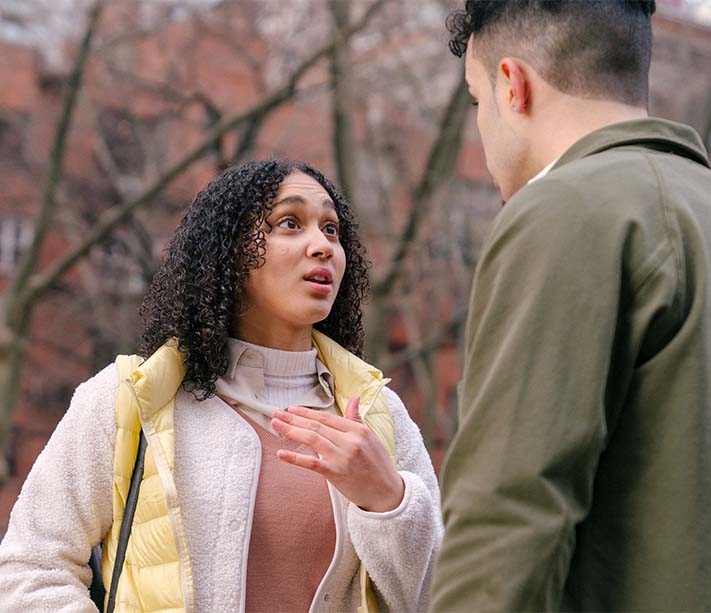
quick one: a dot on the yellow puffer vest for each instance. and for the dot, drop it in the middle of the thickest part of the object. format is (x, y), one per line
(157, 575)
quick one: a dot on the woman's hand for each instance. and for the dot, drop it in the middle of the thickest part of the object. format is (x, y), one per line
(350, 456)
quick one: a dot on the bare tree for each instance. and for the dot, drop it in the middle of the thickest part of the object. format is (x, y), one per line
(16, 314)
(29, 286)
(440, 164)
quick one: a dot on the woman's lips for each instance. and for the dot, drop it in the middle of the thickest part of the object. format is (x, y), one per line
(320, 279)
(320, 288)
(320, 275)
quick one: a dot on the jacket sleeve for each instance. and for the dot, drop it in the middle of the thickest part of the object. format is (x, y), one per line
(64, 508)
(519, 474)
(399, 547)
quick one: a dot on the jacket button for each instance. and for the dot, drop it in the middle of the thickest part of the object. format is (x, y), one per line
(236, 524)
(325, 597)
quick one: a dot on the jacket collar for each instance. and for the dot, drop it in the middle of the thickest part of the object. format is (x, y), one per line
(157, 380)
(351, 375)
(649, 133)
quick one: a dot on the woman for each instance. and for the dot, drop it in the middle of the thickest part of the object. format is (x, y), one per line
(269, 484)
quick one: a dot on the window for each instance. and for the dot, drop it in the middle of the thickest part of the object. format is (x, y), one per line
(11, 135)
(117, 268)
(15, 236)
(121, 131)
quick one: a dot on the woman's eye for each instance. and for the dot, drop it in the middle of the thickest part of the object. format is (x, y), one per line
(288, 224)
(331, 229)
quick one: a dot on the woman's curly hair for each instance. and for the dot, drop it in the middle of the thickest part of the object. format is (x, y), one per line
(197, 291)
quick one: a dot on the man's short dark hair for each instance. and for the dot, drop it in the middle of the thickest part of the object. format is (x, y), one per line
(588, 48)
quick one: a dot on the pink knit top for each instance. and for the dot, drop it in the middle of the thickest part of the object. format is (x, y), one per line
(293, 532)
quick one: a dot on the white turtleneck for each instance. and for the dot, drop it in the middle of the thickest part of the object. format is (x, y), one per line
(260, 380)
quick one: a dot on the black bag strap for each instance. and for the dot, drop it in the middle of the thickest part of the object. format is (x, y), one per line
(127, 521)
(97, 591)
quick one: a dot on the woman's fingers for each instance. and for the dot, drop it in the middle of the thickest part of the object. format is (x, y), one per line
(336, 422)
(308, 436)
(304, 461)
(350, 456)
(338, 437)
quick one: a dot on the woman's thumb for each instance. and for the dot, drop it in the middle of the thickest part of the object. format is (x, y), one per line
(352, 411)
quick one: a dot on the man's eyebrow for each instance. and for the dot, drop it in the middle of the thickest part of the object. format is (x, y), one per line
(326, 202)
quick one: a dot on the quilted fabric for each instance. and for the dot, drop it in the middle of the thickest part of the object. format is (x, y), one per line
(156, 574)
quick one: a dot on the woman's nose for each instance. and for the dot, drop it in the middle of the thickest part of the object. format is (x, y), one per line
(319, 245)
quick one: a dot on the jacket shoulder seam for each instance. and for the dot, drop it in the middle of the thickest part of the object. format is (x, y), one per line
(671, 250)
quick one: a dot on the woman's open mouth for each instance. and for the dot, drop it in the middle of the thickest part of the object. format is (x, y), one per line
(320, 280)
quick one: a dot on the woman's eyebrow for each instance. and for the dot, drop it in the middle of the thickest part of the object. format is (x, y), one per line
(326, 202)
(290, 200)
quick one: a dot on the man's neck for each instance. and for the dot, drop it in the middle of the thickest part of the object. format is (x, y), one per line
(570, 119)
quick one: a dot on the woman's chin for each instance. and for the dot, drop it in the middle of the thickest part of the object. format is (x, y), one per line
(317, 308)
(318, 315)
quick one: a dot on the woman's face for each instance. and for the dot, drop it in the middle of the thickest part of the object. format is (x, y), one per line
(303, 266)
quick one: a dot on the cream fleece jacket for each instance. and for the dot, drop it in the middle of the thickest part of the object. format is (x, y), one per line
(65, 508)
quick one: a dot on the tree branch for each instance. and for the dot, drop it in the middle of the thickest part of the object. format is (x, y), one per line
(432, 343)
(111, 218)
(440, 164)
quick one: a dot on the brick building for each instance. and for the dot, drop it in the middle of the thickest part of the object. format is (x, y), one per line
(131, 124)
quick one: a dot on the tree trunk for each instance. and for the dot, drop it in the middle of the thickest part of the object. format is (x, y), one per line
(341, 78)
(16, 314)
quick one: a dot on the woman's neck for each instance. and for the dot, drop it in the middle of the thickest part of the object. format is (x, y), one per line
(275, 335)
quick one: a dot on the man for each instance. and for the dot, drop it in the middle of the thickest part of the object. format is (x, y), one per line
(580, 477)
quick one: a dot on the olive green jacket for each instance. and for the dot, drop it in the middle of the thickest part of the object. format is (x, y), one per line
(580, 476)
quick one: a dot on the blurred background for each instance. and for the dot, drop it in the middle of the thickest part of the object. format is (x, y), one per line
(113, 115)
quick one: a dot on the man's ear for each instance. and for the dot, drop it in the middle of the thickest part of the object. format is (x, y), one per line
(517, 87)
